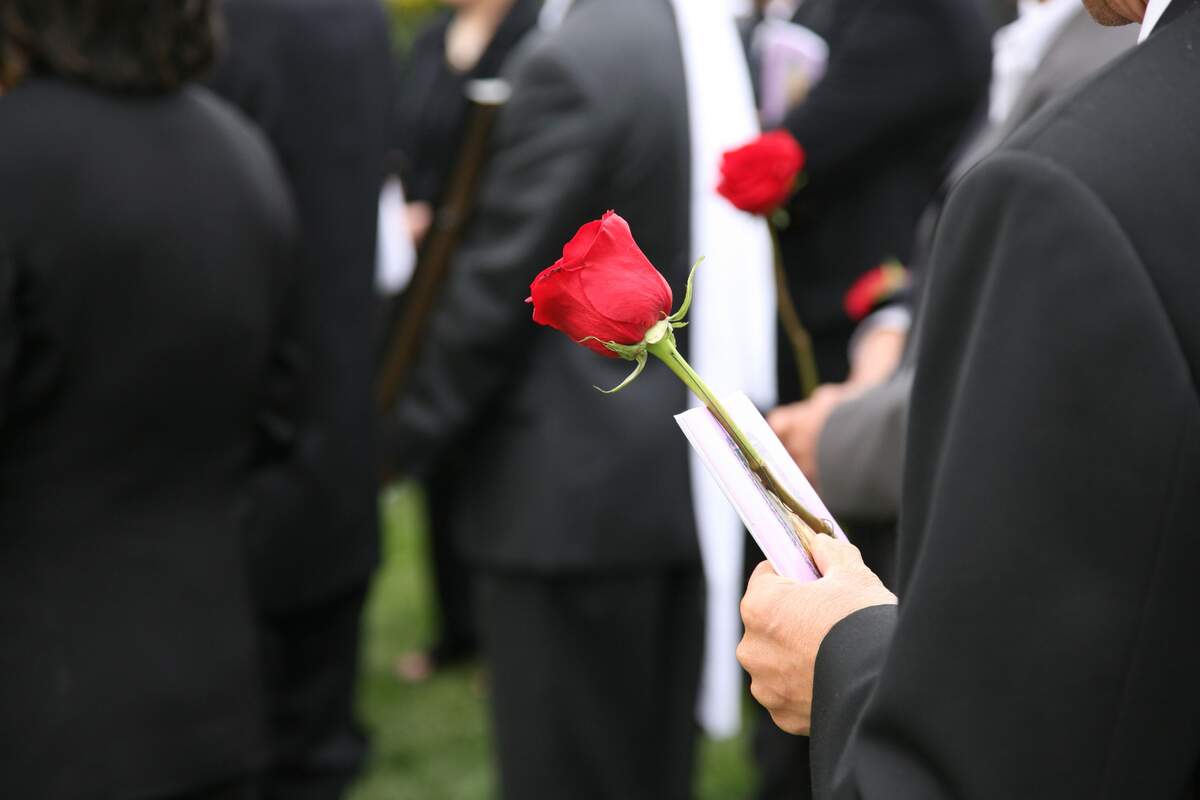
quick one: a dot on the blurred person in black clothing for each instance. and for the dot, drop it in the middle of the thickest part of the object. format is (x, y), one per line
(905, 84)
(145, 247)
(317, 77)
(590, 595)
(470, 42)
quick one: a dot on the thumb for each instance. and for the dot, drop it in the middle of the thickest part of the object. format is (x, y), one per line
(831, 554)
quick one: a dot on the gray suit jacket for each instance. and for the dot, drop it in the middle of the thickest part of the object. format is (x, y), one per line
(861, 451)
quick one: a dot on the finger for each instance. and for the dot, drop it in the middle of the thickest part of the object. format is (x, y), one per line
(765, 696)
(831, 554)
(763, 569)
(749, 652)
(755, 601)
(790, 723)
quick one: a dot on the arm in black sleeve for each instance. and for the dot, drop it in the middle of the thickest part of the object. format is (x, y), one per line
(542, 170)
(1042, 645)
(8, 327)
(898, 65)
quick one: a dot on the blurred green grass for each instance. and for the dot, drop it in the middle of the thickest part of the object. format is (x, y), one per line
(430, 740)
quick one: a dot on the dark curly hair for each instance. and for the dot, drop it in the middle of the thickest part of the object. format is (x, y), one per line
(120, 45)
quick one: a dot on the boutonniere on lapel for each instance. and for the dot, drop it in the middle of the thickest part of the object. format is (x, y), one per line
(876, 288)
(607, 296)
(760, 178)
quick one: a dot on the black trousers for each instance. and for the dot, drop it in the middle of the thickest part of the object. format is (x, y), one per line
(453, 582)
(311, 660)
(594, 682)
(242, 789)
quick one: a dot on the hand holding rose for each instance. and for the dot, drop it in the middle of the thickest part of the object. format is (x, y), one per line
(786, 622)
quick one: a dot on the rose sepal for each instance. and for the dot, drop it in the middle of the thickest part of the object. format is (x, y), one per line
(633, 352)
(677, 319)
(641, 359)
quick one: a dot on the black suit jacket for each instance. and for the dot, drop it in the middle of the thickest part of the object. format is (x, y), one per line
(144, 258)
(556, 475)
(904, 82)
(1046, 642)
(317, 78)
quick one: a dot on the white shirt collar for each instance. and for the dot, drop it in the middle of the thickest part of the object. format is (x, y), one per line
(553, 13)
(1154, 12)
(1018, 50)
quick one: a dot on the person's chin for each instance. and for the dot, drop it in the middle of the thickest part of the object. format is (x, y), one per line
(1115, 12)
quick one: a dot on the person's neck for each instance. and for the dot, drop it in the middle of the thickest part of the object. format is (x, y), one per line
(472, 29)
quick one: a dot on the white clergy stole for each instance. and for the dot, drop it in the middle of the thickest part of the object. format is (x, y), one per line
(731, 339)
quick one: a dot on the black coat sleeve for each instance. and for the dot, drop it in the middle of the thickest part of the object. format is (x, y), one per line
(9, 336)
(541, 172)
(1042, 646)
(895, 70)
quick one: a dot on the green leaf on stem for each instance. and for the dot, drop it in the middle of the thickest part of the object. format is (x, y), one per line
(641, 365)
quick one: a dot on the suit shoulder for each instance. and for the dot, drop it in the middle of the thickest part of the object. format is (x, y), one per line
(246, 145)
(617, 51)
(616, 32)
(225, 123)
(1117, 129)
(37, 115)
(311, 31)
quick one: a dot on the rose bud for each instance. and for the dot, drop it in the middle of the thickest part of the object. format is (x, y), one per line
(760, 176)
(603, 289)
(874, 289)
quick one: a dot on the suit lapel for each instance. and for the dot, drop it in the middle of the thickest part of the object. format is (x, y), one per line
(1174, 11)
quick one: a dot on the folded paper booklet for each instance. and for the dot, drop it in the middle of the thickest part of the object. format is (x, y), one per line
(793, 60)
(764, 516)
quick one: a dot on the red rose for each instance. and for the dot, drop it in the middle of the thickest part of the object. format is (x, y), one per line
(760, 176)
(874, 289)
(603, 287)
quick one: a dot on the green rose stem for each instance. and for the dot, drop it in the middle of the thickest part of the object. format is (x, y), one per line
(660, 342)
(797, 334)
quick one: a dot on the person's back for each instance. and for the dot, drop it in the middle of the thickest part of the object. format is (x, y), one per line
(143, 246)
(316, 77)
